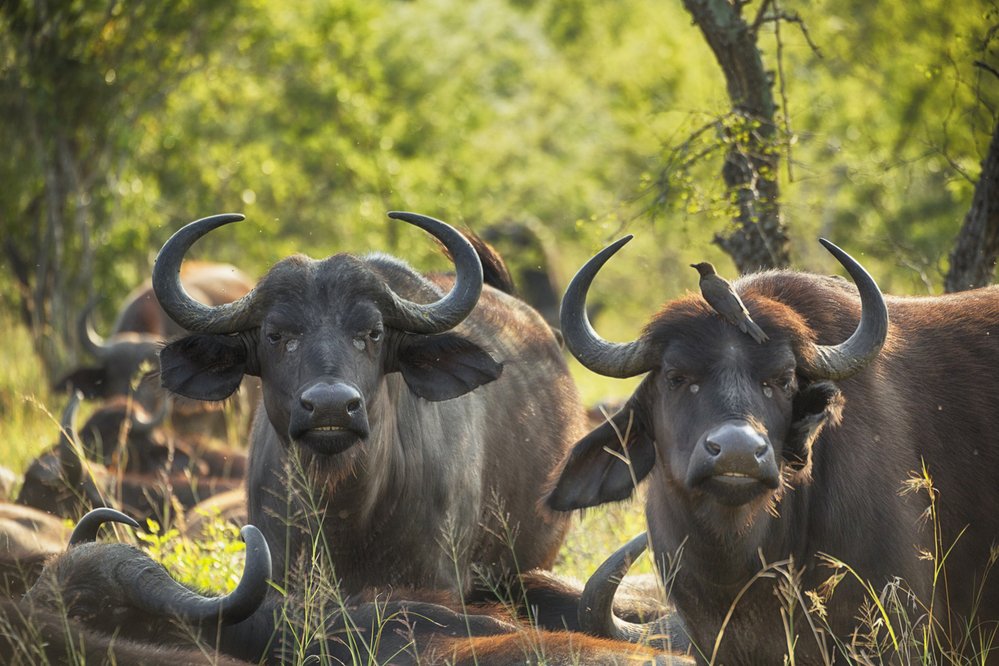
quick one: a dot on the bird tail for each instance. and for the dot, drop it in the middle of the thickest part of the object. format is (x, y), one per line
(756, 332)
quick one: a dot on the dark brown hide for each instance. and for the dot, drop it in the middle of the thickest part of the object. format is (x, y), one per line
(140, 329)
(423, 453)
(30, 636)
(845, 452)
(27, 538)
(150, 483)
(402, 627)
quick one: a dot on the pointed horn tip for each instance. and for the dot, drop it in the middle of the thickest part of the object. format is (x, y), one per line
(250, 533)
(87, 527)
(216, 221)
(604, 255)
(109, 515)
(414, 218)
(254, 538)
(72, 407)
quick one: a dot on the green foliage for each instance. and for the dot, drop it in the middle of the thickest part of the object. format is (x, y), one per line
(584, 119)
(580, 118)
(213, 561)
(29, 415)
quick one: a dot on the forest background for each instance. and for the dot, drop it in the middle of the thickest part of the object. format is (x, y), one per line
(578, 120)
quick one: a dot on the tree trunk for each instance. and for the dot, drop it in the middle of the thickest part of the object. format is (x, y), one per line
(750, 171)
(973, 259)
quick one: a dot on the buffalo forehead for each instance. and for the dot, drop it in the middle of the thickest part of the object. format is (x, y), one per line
(298, 288)
(722, 346)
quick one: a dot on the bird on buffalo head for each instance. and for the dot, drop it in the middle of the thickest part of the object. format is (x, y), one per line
(722, 298)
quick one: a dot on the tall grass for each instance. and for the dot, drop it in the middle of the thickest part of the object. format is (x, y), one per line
(894, 625)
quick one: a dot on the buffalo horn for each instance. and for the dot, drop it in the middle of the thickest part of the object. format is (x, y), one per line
(611, 359)
(596, 605)
(70, 464)
(151, 589)
(140, 426)
(176, 302)
(849, 357)
(86, 529)
(450, 310)
(91, 342)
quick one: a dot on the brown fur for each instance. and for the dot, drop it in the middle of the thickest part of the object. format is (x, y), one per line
(929, 397)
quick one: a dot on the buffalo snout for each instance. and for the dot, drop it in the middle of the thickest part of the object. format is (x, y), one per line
(735, 462)
(329, 417)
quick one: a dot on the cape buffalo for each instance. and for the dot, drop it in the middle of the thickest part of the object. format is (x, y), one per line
(424, 417)
(27, 538)
(115, 589)
(129, 356)
(763, 459)
(65, 482)
(82, 621)
(121, 433)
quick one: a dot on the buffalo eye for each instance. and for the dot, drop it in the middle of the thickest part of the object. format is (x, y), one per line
(274, 337)
(373, 336)
(675, 380)
(782, 383)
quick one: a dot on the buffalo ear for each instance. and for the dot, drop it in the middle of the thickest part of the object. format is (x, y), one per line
(444, 366)
(815, 406)
(204, 367)
(596, 472)
(90, 381)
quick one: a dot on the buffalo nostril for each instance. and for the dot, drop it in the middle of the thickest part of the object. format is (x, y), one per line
(307, 405)
(353, 405)
(761, 450)
(713, 447)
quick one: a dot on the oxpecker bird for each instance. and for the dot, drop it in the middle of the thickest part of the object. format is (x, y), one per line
(719, 294)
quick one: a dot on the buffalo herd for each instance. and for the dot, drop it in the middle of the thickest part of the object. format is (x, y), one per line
(815, 459)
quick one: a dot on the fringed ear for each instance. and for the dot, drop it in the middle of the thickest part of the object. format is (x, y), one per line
(443, 366)
(817, 405)
(607, 464)
(205, 367)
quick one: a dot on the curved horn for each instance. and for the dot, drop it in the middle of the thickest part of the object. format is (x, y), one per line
(849, 357)
(596, 605)
(151, 589)
(141, 426)
(449, 311)
(91, 342)
(86, 529)
(69, 458)
(177, 303)
(611, 359)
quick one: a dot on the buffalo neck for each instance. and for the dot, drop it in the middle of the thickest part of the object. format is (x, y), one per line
(722, 546)
(379, 503)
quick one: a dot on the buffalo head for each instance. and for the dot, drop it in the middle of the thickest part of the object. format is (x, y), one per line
(123, 361)
(116, 587)
(725, 420)
(60, 481)
(322, 334)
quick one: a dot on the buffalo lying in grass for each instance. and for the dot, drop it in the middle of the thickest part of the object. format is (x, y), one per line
(127, 360)
(114, 589)
(64, 482)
